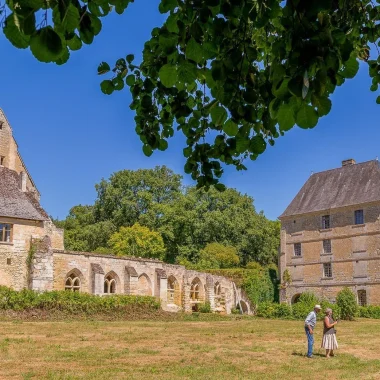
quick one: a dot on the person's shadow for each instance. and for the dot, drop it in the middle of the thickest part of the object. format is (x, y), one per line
(304, 355)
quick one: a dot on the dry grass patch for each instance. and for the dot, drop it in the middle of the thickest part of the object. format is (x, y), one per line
(229, 349)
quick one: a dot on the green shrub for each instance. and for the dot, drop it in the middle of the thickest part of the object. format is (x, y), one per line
(298, 311)
(257, 283)
(71, 302)
(204, 307)
(346, 301)
(369, 312)
(235, 310)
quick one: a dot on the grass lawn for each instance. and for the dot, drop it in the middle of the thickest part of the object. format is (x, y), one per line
(206, 349)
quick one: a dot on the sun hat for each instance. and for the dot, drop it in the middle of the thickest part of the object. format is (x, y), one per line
(317, 307)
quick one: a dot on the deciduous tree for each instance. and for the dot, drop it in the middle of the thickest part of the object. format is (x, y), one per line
(231, 75)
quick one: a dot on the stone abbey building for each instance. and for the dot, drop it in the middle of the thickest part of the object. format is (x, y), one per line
(32, 253)
(330, 235)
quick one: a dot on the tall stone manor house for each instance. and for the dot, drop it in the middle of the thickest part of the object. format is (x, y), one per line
(330, 235)
(32, 253)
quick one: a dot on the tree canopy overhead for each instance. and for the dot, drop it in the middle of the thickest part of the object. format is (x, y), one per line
(231, 75)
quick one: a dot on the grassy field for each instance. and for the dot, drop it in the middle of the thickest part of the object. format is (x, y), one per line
(206, 349)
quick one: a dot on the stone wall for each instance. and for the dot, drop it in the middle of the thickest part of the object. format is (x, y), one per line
(176, 287)
(354, 256)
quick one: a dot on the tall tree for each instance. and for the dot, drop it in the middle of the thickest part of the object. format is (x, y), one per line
(188, 219)
(231, 75)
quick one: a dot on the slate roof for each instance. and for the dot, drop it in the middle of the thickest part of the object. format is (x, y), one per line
(345, 186)
(15, 203)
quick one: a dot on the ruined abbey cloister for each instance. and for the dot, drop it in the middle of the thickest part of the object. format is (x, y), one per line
(32, 253)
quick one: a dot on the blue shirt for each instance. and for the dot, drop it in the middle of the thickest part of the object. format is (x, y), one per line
(311, 319)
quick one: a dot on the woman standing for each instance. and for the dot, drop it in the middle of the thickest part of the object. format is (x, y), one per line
(329, 341)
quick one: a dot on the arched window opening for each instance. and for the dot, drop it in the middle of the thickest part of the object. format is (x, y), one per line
(296, 298)
(196, 291)
(72, 283)
(109, 285)
(217, 290)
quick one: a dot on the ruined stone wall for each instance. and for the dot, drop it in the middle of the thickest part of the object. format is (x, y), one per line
(354, 256)
(172, 284)
(9, 150)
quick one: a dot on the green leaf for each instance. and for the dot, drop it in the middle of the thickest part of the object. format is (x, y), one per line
(378, 100)
(323, 104)
(15, 36)
(167, 5)
(64, 57)
(130, 80)
(74, 43)
(257, 145)
(163, 145)
(285, 117)
(230, 128)
(168, 75)
(218, 115)
(187, 72)
(46, 45)
(194, 51)
(66, 19)
(147, 149)
(107, 87)
(307, 116)
(103, 68)
(351, 68)
(171, 23)
(118, 83)
(130, 58)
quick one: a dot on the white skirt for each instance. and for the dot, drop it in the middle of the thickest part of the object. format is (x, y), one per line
(329, 342)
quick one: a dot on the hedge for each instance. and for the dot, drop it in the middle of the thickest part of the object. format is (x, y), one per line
(298, 311)
(72, 302)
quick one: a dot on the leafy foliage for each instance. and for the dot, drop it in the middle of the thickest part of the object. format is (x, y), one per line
(370, 311)
(231, 75)
(71, 302)
(346, 301)
(257, 283)
(214, 256)
(138, 241)
(187, 219)
(298, 310)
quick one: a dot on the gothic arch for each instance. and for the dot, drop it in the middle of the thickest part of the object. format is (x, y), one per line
(144, 286)
(111, 283)
(174, 292)
(74, 281)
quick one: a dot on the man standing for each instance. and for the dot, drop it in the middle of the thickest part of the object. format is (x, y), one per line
(310, 322)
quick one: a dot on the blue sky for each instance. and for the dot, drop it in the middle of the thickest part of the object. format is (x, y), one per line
(71, 135)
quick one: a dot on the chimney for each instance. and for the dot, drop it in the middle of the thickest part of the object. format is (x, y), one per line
(348, 162)
(23, 181)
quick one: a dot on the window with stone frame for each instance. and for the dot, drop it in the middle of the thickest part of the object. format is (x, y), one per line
(297, 249)
(2, 159)
(362, 297)
(1, 124)
(72, 283)
(359, 217)
(327, 270)
(327, 246)
(6, 230)
(109, 285)
(326, 223)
